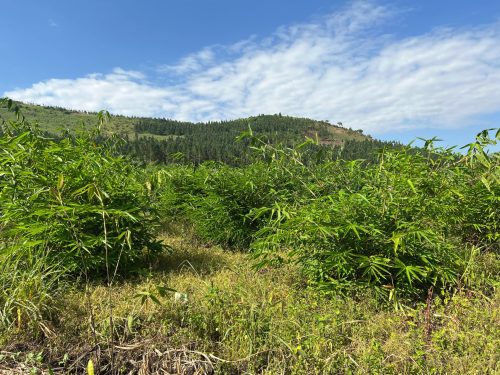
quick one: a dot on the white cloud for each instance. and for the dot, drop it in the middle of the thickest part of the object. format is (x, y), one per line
(121, 91)
(337, 67)
(191, 63)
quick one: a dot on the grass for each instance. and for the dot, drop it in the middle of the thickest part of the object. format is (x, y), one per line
(55, 120)
(227, 318)
(159, 137)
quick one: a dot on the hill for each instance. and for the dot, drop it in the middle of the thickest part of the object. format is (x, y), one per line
(56, 119)
(165, 140)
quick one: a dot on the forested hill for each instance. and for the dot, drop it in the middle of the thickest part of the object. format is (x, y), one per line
(165, 140)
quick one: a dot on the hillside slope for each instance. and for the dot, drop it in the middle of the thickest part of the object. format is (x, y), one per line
(165, 140)
(55, 119)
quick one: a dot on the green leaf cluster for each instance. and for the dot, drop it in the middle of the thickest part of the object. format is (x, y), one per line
(74, 200)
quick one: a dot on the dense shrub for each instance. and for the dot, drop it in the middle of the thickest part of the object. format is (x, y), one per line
(218, 199)
(229, 195)
(73, 200)
(414, 219)
(407, 223)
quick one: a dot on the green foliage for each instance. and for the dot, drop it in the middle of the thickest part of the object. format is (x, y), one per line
(219, 199)
(229, 194)
(56, 120)
(408, 221)
(73, 200)
(401, 225)
(169, 141)
(396, 225)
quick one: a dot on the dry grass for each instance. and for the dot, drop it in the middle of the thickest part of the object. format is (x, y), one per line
(234, 320)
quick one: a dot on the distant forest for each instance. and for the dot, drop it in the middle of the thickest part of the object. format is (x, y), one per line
(167, 141)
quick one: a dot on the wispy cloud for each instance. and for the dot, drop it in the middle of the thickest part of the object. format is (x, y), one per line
(191, 63)
(337, 67)
(121, 91)
(52, 23)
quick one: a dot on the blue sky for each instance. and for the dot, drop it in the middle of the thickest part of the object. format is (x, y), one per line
(396, 69)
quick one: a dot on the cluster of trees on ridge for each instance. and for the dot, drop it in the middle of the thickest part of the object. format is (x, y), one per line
(167, 141)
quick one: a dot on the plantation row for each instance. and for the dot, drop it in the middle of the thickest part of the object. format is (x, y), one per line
(411, 223)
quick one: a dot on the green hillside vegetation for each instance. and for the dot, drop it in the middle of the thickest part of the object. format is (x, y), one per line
(296, 261)
(196, 143)
(56, 119)
(170, 141)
